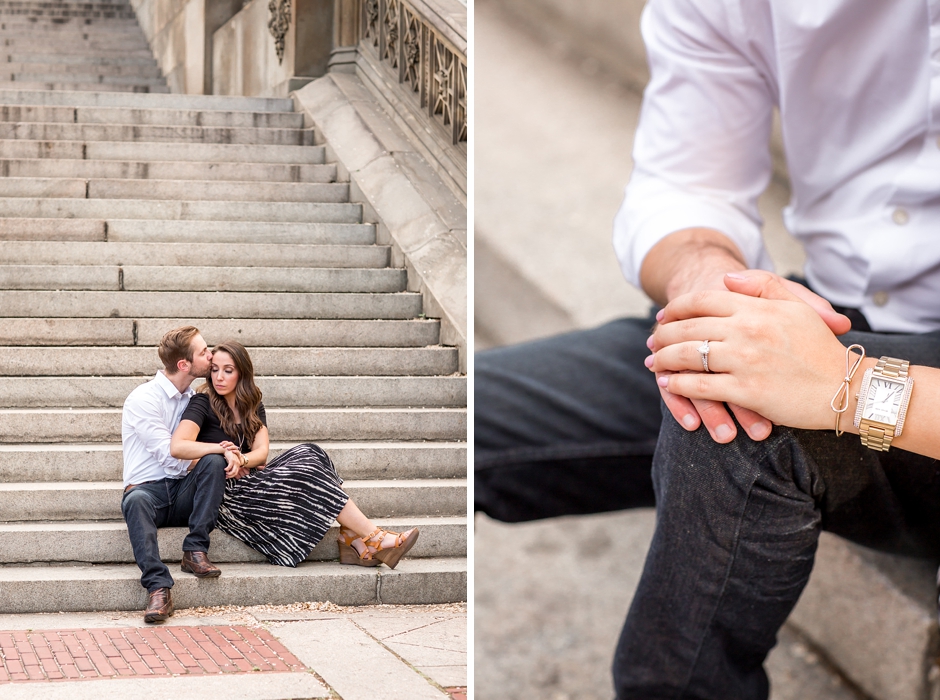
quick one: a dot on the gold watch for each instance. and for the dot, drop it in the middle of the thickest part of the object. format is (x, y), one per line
(882, 402)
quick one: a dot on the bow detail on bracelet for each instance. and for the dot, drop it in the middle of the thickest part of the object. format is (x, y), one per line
(841, 398)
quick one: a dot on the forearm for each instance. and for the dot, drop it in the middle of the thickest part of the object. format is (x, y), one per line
(256, 458)
(190, 449)
(922, 424)
(689, 260)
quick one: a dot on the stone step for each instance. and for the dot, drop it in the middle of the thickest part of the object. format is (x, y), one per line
(273, 305)
(62, 57)
(139, 259)
(252, 332)
(86, 362)
(173, 152)
(74, 45)
(301, 212)
(87, 588)
(73, 38)
(33, 131)
(106, 542)
(191, 232)
(321, 424)
(66, 3)
(192, 190)
(61, 86)
(353, 460)
(142, 101)
(104, 25)
(165, 170)
(16, 69)
(104, 82)
(72, 35)
(281, 391)
(41, 18)
(43, 15)
(101, 500)
(79, 54)
(151, 117)
(875, 617)
(201, 279)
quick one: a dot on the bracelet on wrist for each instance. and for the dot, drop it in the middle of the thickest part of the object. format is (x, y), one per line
(840, 402)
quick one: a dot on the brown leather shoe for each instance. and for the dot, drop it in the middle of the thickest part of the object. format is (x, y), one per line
(159, 607)
(198, 564)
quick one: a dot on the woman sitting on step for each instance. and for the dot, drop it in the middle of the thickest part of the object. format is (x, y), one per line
(284, 507)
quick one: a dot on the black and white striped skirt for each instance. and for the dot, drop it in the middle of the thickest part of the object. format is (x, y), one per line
(285, 509)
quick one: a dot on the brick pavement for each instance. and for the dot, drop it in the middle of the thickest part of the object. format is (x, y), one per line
(89, 654)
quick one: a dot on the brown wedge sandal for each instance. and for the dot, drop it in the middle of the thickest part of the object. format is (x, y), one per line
(390, 556)
(348, 554)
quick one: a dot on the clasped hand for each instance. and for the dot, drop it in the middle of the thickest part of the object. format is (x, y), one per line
(233, 461)
(774, 356)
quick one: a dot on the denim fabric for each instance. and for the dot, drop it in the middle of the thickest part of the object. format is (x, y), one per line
(566, 425)
(574, 424)
(192, 501)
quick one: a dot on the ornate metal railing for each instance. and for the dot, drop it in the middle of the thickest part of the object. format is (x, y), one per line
(429, 65)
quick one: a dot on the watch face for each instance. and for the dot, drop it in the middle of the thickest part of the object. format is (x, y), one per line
(883, 402)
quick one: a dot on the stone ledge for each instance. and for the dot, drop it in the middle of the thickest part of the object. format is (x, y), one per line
(874, 616)
(415, 212)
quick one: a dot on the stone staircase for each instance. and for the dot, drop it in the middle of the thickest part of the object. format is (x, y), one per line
(123, 215)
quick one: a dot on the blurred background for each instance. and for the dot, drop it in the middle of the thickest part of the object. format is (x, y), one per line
(558, 86)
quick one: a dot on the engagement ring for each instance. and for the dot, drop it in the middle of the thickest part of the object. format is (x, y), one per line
(703, 351)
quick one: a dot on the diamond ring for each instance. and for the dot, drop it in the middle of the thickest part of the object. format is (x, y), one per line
(703, 351)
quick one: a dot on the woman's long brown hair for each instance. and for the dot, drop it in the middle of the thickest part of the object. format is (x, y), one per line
(247, 396)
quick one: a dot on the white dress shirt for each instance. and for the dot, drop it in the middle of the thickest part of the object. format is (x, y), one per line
(858, 87)
(151, 413)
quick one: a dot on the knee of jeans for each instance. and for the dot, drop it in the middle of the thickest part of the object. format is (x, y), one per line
(693, 458)
(212, 462)
(135, 500)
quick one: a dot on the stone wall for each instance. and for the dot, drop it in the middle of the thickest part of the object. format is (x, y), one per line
(175, 30)
(244, 60)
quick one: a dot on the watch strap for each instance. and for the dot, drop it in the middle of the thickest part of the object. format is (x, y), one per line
(892, 367)
(875, 437)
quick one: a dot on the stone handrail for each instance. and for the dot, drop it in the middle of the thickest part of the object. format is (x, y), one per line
(417, 49)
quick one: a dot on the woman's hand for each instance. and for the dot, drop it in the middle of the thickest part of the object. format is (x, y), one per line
(770, 351)
(233, 466)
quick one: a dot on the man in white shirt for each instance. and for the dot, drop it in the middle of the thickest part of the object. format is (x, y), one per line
(569, 425)
(160, 490)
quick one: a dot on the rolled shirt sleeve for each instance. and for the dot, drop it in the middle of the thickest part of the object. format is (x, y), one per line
(701, 153)
(145, 418)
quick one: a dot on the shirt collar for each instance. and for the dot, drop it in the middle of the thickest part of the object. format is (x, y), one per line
(171, 391)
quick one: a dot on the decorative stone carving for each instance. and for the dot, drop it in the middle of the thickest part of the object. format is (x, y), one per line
(279, 24)
(443, 88)
(391, 33)
(411, 50)
(370, 11)
(416, 53)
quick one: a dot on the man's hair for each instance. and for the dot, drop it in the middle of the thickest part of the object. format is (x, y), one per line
(177, 345)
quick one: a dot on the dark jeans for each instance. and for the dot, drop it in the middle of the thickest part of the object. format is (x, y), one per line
(574, 424)
(192, 501)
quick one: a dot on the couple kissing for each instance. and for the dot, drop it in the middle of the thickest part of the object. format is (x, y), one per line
(199, 459)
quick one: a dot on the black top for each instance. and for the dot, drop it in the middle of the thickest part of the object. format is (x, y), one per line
(200, 412)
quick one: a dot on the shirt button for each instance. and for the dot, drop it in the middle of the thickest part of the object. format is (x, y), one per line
(900, 216)
(880, 298)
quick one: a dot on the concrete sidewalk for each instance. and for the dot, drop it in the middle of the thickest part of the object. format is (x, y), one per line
(305, 650)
